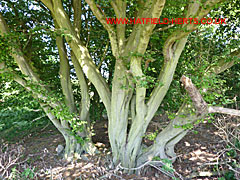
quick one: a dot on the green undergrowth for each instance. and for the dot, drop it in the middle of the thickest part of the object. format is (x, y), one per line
(17, 123)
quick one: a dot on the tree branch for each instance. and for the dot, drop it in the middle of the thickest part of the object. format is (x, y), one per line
(139, 38)
(233, 112)
(77, 5)
(64, 73)
(165, 79)
(23, 64)
(164, 28)
(48, 3)
(172, 50)
(222, 65)
(22, 82)
(199, 103)
(103, 56)
(85, 99)
(120, 11)
(82, 54)
(110, 29)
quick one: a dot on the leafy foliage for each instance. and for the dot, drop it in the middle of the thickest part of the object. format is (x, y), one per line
(27, 174)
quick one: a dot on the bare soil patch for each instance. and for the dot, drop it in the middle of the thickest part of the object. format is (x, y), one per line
(197, 153)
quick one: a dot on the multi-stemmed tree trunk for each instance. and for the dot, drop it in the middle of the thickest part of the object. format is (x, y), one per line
(72, 147)
(127, 98)
(123, 102)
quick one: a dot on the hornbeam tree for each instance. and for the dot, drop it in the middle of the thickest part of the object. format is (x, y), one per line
(125, 94)
(130, 101)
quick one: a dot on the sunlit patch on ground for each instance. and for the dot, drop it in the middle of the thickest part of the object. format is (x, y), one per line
(197, 154)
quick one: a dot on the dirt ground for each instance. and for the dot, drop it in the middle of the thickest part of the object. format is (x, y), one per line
(198, 153)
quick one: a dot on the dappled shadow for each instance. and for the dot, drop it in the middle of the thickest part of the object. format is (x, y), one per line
(197, 152)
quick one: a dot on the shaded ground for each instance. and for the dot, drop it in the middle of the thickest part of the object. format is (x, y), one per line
(197, 153)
